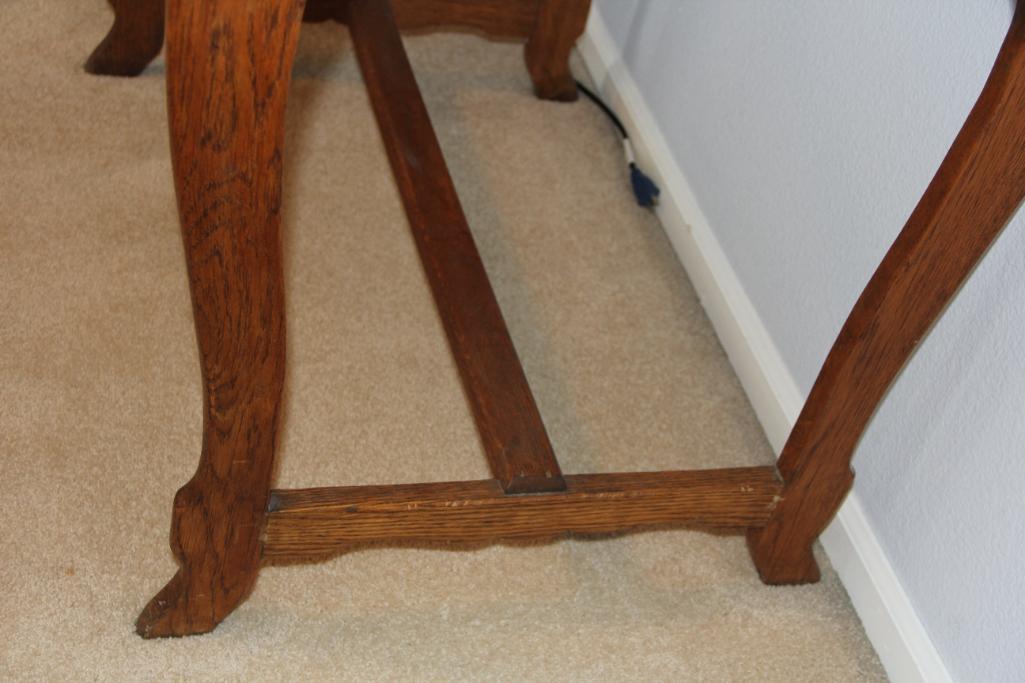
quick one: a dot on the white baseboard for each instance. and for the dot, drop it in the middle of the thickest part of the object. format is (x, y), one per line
(766, 380)
(889, 619)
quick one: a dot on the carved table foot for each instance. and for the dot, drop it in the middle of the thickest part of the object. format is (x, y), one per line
(226, 105)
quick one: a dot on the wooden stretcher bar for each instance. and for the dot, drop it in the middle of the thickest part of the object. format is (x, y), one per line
(311, 523)
(499, 18)
(510, 426)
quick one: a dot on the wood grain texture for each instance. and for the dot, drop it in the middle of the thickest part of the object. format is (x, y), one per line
(973, 195)
(134, 40)
(229, 66)
(313, 523)
(228, 70)
(558, 26)
(510, 426)
(498, 18)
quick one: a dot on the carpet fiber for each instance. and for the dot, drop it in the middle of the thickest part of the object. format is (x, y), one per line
(100, 397)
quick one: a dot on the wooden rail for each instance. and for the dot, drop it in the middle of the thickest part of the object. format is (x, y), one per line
(499, 18)
(510, 426)
(310, 523)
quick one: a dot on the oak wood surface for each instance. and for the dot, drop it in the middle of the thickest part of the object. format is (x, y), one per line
(507, 418)
(310, 523)
(228, 68)
(551, 27)
(229, 64)
(975, 192)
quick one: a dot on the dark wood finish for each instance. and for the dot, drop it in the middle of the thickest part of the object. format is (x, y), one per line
(498, 18)
(134, 40)
(972, 197)
(320, 522)
(559, 24)
(552, 27)
(228, 69)
(507, 418)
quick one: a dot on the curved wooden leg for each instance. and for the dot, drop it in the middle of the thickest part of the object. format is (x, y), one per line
(134, 40)
(975, 192)
(559, 24)
(228, 70)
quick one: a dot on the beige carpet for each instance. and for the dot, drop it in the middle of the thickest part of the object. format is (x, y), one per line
(100, 398)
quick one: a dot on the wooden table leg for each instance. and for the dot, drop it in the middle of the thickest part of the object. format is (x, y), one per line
(559, 24)
(228, 71)
(134, 40)
(974, 194)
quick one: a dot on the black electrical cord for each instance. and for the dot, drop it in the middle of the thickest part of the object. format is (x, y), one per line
(605, 108)
(645, 190)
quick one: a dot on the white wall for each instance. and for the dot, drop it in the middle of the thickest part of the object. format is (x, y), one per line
(808, 131)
